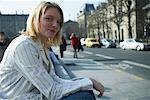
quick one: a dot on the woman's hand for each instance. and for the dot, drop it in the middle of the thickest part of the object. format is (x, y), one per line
(98, 86)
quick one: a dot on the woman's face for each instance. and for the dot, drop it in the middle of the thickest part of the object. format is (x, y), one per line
(50, 23)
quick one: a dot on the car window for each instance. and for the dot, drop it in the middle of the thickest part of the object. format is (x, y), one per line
(93, 40)
(139, 41)
(130, 41)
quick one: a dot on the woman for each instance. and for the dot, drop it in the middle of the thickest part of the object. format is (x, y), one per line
(26, 70)
(74, 43)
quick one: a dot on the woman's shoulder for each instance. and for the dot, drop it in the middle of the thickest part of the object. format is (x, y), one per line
(21, 40)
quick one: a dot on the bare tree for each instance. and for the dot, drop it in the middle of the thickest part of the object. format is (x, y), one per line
(90, 27)
(118, 14)
(97, 21)
(128, 4)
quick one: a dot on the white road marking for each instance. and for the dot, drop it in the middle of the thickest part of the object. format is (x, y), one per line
(136, 64)
(107, 57)
(88, 52)
(138, 78)
(120, 65)
(124, 66)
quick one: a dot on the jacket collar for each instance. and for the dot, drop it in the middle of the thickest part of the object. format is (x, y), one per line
(44, 54)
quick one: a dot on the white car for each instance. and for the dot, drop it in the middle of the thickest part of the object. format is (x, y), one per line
(132, 44)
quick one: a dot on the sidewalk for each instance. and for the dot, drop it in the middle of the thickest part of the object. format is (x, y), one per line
(119, 85)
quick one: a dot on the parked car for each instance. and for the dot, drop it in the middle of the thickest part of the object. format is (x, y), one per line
(108, 43)
(92, 42)
(133, 44)
(82, 40)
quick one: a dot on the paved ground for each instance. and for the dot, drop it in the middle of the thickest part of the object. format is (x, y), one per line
(119, 85)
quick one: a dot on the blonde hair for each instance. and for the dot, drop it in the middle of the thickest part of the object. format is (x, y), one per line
(33, 24)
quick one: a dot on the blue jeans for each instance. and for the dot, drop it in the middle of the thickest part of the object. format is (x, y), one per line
(81, 95)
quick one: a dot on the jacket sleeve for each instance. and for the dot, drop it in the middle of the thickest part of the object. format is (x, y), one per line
(30, 62)
(72, 85)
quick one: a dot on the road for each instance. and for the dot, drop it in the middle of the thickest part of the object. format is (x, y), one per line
(141, 57)
(131, 61)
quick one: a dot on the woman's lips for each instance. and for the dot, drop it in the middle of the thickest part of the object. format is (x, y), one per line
(53, 31)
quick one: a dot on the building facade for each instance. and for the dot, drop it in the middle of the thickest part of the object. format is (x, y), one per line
(147, 21)
(118, 20)
(11, 24)
(69, 27)
(82, 18)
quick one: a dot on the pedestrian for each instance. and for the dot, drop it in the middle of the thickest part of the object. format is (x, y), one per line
(80, 47)
(27, 71)
(63, 46)
(2, 38)
(4, 41)
(74, 43)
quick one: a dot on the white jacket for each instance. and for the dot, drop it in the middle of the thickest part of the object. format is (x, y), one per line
(27, 73)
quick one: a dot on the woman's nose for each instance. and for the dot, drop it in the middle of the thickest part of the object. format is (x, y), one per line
(55, 23)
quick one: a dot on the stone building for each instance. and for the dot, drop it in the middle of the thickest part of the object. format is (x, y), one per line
(11, 24)
(118, 20)
(82, 18)
(69, 27)
(147, 21)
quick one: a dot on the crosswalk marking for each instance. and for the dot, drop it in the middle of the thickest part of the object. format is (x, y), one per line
(88, 52)
(138, 78)
(107, 57)
(136, 64)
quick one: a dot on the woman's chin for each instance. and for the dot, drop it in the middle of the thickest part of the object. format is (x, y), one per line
(51, 36)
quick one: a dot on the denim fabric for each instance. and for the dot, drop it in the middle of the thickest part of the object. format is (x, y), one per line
(81, 95)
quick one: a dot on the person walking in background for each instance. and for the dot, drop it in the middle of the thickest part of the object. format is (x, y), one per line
(2, 38)
(63, 46)
(4, 42)
(27, 71)
(74, 43)
(80, 47)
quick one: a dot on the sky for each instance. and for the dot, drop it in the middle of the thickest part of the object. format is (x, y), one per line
(70, 7)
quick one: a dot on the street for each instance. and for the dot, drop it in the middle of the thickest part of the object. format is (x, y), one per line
(134, 62)
(141, 57)
(123, 78)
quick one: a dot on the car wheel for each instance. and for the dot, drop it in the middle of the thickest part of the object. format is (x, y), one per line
(138, 48)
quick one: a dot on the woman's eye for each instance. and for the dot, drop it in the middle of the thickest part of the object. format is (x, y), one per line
(52, 19)
(49, 18)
